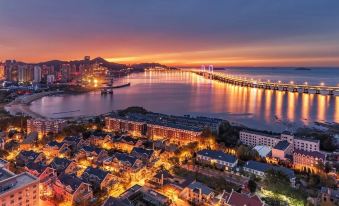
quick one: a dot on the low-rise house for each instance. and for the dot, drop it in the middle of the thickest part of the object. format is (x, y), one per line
(218, 158)
(26, 156)
(111, 201)
(98, 178)
(75, 141)
(45, 173)
(72, 189)
(126, 165)
(63, 165)
(29, 141)
(307, 161)
(282, 150)
(329, 197)
(94, 154)
(139, 195)
(56, 149)
(162, 177)
(126, 143)
(197, 193)
(239, 199)
(146, 155)
(260, 169)
(99, 139)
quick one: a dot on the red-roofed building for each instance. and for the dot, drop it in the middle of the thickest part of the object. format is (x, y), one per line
(238, 199)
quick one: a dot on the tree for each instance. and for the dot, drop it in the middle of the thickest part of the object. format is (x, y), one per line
(245, 153)
(252, 185)
(228, 134)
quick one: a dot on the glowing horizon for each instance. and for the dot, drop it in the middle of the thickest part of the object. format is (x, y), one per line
(232, 33)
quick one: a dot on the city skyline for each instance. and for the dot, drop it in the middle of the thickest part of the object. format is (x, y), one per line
(260, 33)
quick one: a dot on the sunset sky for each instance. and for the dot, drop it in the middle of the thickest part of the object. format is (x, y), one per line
(173, 32)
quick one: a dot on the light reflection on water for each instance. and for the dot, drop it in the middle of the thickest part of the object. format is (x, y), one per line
(186, 93)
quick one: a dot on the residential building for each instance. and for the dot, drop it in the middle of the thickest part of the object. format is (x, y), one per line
(126, 165)
(124, 125)
(76, 142)
(282, 150)
(56, 149)
(63, 165)
(197, 193)
(4, 164)
(260, 169)
(98, 178)
(239, 199)
(218, 158)
(20, 189)
(93, 154)
(307, 161)
(43, 127)
(37, 74)
(26, 156)
(146, 155)
(72, 189)
(139, 195)
(253, 138)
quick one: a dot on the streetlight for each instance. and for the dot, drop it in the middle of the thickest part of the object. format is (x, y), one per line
(306, 83)
(322, 84)
(291, 82)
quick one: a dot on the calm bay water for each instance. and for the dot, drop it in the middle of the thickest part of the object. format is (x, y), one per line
(185, 93)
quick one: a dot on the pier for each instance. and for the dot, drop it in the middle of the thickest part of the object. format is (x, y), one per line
(279, 86)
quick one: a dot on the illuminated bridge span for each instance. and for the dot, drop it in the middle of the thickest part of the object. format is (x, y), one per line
(280, 86)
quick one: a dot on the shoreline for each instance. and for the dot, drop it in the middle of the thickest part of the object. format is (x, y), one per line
(21, 104)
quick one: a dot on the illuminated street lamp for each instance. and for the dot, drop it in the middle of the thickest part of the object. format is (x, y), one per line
(322, 84)
(306, 83)
(291, 82)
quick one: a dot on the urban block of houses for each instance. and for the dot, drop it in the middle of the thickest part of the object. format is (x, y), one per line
(260, 169)
(76, 142)
(218, 158)
(70, 188)
(328, 196)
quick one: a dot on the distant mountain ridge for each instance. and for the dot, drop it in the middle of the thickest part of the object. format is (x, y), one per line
(102, 61)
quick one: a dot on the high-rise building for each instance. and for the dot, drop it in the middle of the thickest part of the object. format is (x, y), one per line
(2, 70)
(65, 72)
(50, 79)
(25, 73)
(11, 70)
(20, 189)
(37, 74)
(43, 127)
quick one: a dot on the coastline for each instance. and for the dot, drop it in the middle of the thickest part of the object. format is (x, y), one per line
(20, 105)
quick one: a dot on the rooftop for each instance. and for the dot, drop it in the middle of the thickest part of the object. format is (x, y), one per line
(195, 185)
(218, 155)
(282, 145)
(263, 167)
(9, 181)
(311, 154)
(263, 150)
(101, 174)
(238, 199)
